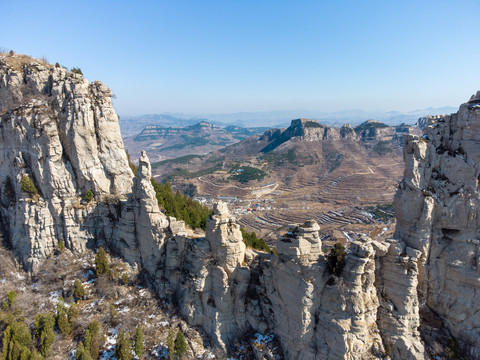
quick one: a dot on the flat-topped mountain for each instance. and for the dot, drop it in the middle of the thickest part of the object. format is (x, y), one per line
(201, 138)
(312, 130)
(313, 143)
(202, 128)
(302, 172)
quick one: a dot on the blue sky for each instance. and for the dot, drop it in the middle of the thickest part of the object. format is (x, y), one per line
(229, 56)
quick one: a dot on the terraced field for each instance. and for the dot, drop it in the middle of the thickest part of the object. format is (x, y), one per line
(330, 181)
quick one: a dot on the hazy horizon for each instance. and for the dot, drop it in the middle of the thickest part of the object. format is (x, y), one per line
(215, 57)
(300, 111)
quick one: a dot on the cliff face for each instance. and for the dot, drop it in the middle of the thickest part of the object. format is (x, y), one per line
(370, 131)
(61, 132)
(437, 207)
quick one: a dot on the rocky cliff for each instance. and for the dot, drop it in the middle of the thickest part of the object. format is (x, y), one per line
(60, 140)
(60, 132)
(370, 131)
(438, 207)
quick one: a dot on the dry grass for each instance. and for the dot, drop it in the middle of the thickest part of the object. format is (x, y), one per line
(132, 303)
(17, 62)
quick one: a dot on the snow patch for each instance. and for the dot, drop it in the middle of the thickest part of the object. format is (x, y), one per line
(160, 351)
(349, 239)
(18, 276)
(126, 309)
(263, 339)
(54, 296)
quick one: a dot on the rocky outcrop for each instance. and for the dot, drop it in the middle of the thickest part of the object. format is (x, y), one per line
(316, 314)
(437, 207)
(375, 131)
(232, 292)
(424, 121)
(61, 132)
(370, 131)
(208, 278)
(60, 141)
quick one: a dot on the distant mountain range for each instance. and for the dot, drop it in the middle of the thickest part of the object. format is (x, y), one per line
(201, 138)
(131, 126)
(307, 143)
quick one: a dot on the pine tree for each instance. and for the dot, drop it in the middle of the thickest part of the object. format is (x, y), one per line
(126, 352)
(139, 348)
(11, 297)
(82, 354)
(101, 262)
(47, 338)
(171, 343)
(16, 341)
(89, 196)
(27, 185)
(35, 355)
(92, 339)
(180, 344)
(336, 259)
(61, 246)
(63, 324)
(118, 344)
(72, 313)
(87, 340)
(123, 347)
(78, 289)
(44, 331)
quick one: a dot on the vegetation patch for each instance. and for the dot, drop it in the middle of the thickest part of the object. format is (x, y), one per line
(181, 206)
(251, 240)
(334, 160)
(453, 351)
(39, 324)
(248, 173)
(188, 141)
(336, 259)
(370, 125)
(312, 124)
(214, 159)
(180, 160)
(185, 174)
(382, 148)
(279, 159)
(28, 186)
(382, 212)
(346, 130)
(89, 196)
(133, 167)
(77, 71)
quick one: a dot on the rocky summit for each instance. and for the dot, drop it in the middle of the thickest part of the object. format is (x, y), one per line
(65, 177)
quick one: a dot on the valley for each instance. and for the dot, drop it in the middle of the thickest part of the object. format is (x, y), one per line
(173, 141)
(306, 171)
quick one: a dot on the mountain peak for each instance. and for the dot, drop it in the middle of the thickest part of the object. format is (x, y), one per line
(305, 123)
(203, 125)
